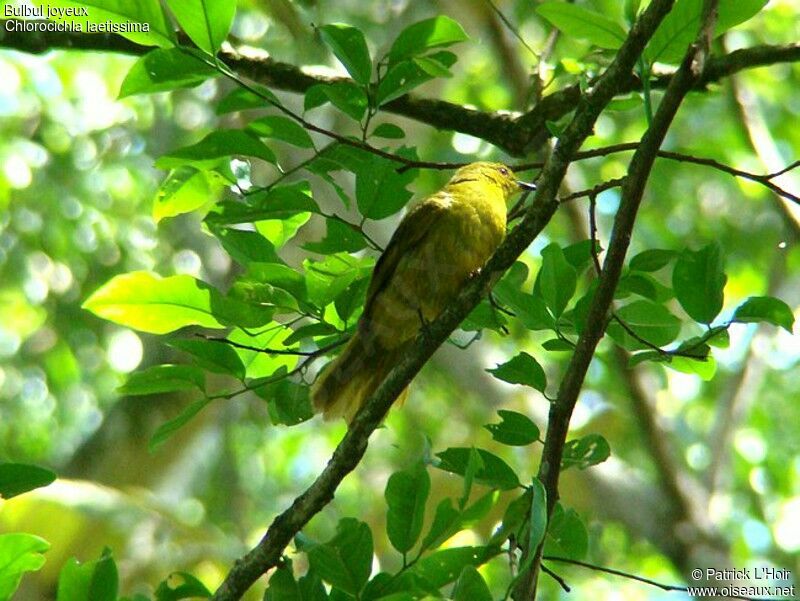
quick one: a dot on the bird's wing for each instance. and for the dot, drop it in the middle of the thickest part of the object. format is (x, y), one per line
(413, 229)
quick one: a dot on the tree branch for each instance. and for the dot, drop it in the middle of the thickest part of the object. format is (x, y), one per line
(517, 135)
(689, 73)
(352, 447)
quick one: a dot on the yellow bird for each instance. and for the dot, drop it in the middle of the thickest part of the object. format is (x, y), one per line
(438, 246)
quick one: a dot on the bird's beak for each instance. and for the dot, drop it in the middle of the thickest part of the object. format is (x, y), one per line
(526, 185)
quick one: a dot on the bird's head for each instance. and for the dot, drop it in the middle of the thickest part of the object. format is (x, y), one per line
(493, 174)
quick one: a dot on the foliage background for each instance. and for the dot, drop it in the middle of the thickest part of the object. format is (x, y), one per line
(77, 188)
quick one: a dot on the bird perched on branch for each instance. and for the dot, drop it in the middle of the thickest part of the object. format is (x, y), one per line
(438, 246)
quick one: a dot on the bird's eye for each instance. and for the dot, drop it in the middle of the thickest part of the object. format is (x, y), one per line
(503, 170)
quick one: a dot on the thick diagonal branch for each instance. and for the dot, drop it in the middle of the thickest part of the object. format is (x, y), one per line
(687, 76)
(352, 447)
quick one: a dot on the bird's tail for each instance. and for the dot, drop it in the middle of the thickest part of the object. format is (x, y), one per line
(352, 377)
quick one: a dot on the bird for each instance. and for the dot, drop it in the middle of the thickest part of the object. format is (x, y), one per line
(440, 243)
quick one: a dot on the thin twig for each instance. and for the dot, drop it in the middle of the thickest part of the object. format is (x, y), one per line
(642, 579)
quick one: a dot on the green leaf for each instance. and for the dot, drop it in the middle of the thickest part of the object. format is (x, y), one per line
(578, 22)
(679, 28)
(163, 378)
(120, 12)
(19, 553)
(471, 586)
(765, 308)
(380, 190)
(705, 368)
(538, 523)
(206, 22)
(579, 254)
(246, 246)
(216, 145)
(431, 66)
(420, 37)
(212, 355)
(97, 580)
(350, 47)
(406, 494)
(283, 586)
(163, 70)
(278, 202)
(388, 130)
(167, 429)
(187, 587)
(260, 364)
(185, 190)
(566, 535)
(339, 237)
(406, 75)
(652, 259)
(699, 282)
(515, 429)
(513, 519)
(521, 369)
(442, 567)
(650, 321)
(557, 278)
(585, 452)
(328, 278)
(474, 466)
(530, 309)
(557, 345)
(346, 560)
(344, 95)
(351, 298)
(147, 302)
(289, 402)
(280, 231)
(242, 99)
(495, 472)
(484, 316)
(644, 285)
(18, 478)
(445, 517)
(281, 128)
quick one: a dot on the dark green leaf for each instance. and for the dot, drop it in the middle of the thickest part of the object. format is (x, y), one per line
(346, 560)
(528, 308)
(579, 255)
(277, 202)
(557, 279)
(513, 519)
(484, 316)
(350, 47)
(186, 587)
(442, 567)
(281, 128)
(380, 189)
(18, 478)
(699, 282)
(515, 429)
(557, 345)
(650, 321)
(206, 22)
(283, 586)
(96, 580)
(765, 308)
(644, 285)
(163, 378)
(566, 536)
(406, 75)
(585, 452)
(470, 586)
(406, 494)
(246, 246)
(217, 144)
(474, 466)
(165, 69)
(167, 429)
(431, 66)
(420, 37)
(576, 21)
(328, 278)
(652, 260)
(310, 330)
(443, 520)
(339, 237)
(496, 473)
(241, 99)
(344, 95)
(289, 402)
(388, 130)
(521, 369)
(212, 355)
(679, 28)
(19, 553)
(351, 298)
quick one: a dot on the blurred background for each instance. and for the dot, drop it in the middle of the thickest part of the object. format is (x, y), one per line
(77, 185)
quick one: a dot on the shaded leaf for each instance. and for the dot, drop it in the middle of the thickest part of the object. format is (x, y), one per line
(585, 452)
(699, 282)
(163, 378)
(420, 37)
(495, 472)
(521, 369)
(579, 22)
(406, 494)
(515, 429)
(216, 145)
(18, 478)
(350, 47)
(765, 308)
(165, 69)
